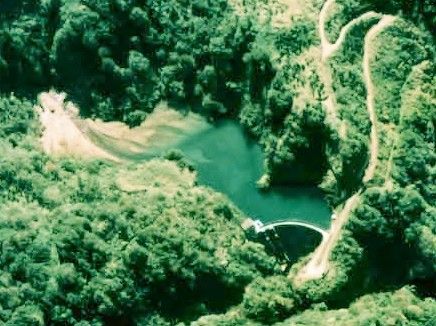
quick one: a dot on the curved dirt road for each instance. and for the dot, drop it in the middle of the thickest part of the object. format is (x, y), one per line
(328, 49)
(319, 263)
(385, 22)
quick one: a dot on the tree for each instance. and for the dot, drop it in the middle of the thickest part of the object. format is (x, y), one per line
(91, 254)
(270, 300)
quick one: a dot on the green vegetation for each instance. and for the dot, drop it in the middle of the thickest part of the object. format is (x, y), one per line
(76, 248)
(399, 308)
(270, 300)
(403, 216)
(411, 48)
(283, 107)
(88, 242)
(350, 156)
(383, 244)
(117, 61)
(421, 12)
(118, 58)
(341, 12)
(397, 208)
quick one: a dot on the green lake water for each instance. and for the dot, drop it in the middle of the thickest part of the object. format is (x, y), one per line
(229, 162)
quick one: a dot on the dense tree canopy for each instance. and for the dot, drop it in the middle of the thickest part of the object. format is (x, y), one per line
(401, 307)
(77, 247)
(118, 58)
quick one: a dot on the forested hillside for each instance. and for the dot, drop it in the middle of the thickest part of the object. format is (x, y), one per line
(85, 241)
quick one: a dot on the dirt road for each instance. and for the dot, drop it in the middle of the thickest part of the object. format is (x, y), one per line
(385, 22)
(318, 265)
